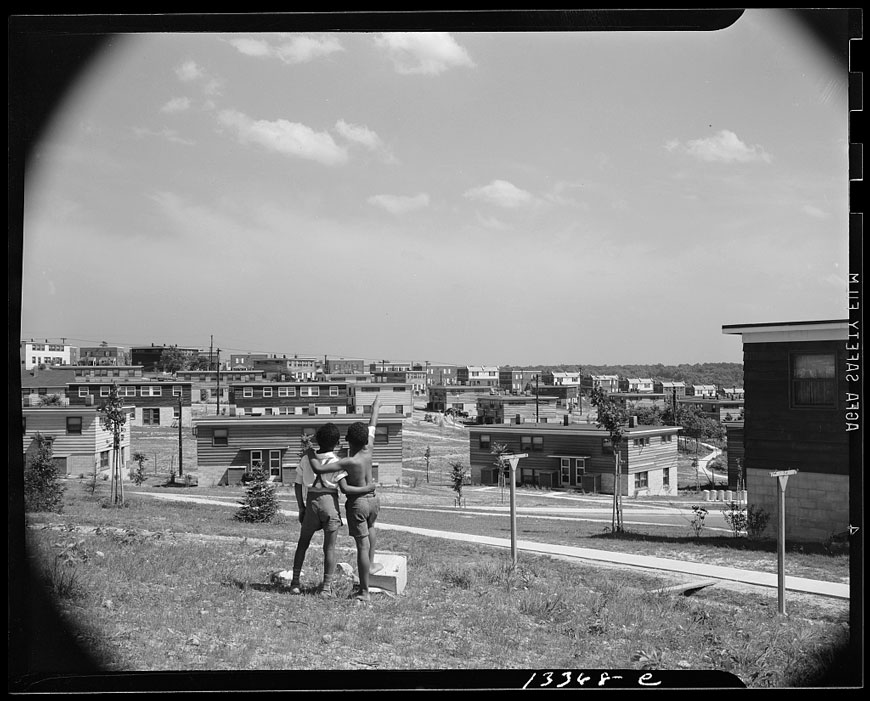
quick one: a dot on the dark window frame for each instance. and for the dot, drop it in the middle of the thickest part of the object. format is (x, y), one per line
(800, 388)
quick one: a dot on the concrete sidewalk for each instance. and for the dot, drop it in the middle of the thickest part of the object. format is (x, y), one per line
(605, 557)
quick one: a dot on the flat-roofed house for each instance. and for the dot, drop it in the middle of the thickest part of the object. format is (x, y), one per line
(798, 391)
(579, 456)
(228, 447)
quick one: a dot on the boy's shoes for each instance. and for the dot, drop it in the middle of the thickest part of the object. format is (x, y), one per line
(295, 590)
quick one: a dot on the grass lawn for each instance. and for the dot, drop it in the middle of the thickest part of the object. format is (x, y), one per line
(157, 586)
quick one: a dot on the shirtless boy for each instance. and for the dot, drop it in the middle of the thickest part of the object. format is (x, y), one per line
(354, 478)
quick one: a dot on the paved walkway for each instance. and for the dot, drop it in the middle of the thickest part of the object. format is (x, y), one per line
(694, 569)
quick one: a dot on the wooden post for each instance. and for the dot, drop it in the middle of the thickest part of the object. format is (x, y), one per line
(513, 460)
(180, 467)
(782, 479)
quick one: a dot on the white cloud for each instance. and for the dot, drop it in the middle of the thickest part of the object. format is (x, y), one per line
(288, 138)
(502, 193)
(298, 48)
(428, 53)
(252, 47)
(399, 204)
(188, 71)
(815, 211)
(358, 134)
(724, 147)
(491, 222)
(176, 104)
(168, 134)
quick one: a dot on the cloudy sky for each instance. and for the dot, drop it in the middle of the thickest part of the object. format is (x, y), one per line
(473, 198)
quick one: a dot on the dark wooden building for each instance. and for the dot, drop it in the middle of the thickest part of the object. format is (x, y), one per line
(578, 456)
(227, 447)
(796, 395)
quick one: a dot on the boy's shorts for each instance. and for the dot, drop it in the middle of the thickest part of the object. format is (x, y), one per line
(362, 513)
(321, 512)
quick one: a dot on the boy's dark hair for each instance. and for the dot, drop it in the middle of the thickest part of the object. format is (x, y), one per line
(357, 434)
(327, 437)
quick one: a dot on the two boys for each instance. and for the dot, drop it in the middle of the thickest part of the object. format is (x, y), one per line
(321, 474)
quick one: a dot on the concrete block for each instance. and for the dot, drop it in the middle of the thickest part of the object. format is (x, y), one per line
(393, 576)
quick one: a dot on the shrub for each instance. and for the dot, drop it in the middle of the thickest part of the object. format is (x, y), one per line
(42, 488)
(756, 521)
(261, 499)
(697, 522)
(735, 516)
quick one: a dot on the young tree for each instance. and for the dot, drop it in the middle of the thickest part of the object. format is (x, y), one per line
(500, 450)
(138, 475)
(172, 359)
(113, 419)
(613, 417)
(42, 488)
(261, 500)
(457, 477)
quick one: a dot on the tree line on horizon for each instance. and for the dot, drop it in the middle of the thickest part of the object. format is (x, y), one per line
(720, 374)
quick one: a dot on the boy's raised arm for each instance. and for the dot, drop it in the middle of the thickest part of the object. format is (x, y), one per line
(376, 409)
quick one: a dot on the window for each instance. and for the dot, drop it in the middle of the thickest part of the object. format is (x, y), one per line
(537, 443)
(176, 390)
(275, 462)
(382, 434)
(666, 477)
(104, 391)
(267, 391)
(176, 412)
(151, 417)
(667, 439)
(400, 408)
(525, 443)
(126, 391)
(309, 391)
(150, 391)
(485, 441)
(641, 441)
(813, 380)
(84, 391)
(579, 469)
(400, 389)
(333, 410)
(220, 436)
(641, 480)
(565, 470)
(247, 391)
(104, 459)
(256, 458)
(283, 391)
(333, 391)
(74, 424)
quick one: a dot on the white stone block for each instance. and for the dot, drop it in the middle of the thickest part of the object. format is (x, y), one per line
(392, 577)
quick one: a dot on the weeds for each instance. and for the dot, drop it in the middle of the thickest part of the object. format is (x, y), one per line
(699, 514)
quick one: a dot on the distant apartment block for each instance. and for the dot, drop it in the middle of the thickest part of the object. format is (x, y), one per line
(36, 353)
(509, 409)
(437, 373)
(560, 379)
(344, 366)
(606, 383)
(671, 389)
(149, 356)
(103, 355)
(477, 375)
(708, 391)
(415, 378)
(636, 385)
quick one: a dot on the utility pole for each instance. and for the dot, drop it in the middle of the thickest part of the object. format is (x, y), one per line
(218, 382)
(537, 413)
(211, 353)
(180, 468)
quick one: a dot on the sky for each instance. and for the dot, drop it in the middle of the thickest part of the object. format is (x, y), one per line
(475, 198)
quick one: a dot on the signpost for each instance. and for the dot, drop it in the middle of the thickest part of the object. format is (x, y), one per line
(513, 459)
(782, 479)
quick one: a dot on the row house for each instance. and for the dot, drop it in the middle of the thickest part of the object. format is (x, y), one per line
(296, 368)
(355, 377)
(229, 447)
(732, 392)
(715, 408)
(560, 379)
(567, 396)
(606, 383)
(344, 366)
(671, 389)
(103, 355)
(80, 444)
(209, 386)
(149, 356)
(636, 385)
(638, 400)
(155, 401)
(477, 375)
(244, 361)
(801, 414)
(36, 353)
(415, 378)
(37, 386)
(580, 457)
(396, 397)
(506, 409)
(517, 380)
(708, 391)
(461, 398)
(390, 366)
(437, 373)
(273, 398)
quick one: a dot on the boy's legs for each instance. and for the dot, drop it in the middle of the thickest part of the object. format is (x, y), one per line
(305, 536)
(329, 556)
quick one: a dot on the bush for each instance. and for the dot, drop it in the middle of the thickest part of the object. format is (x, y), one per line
(42, 488)
(261, 499)
(756, 521)
(735, 516)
